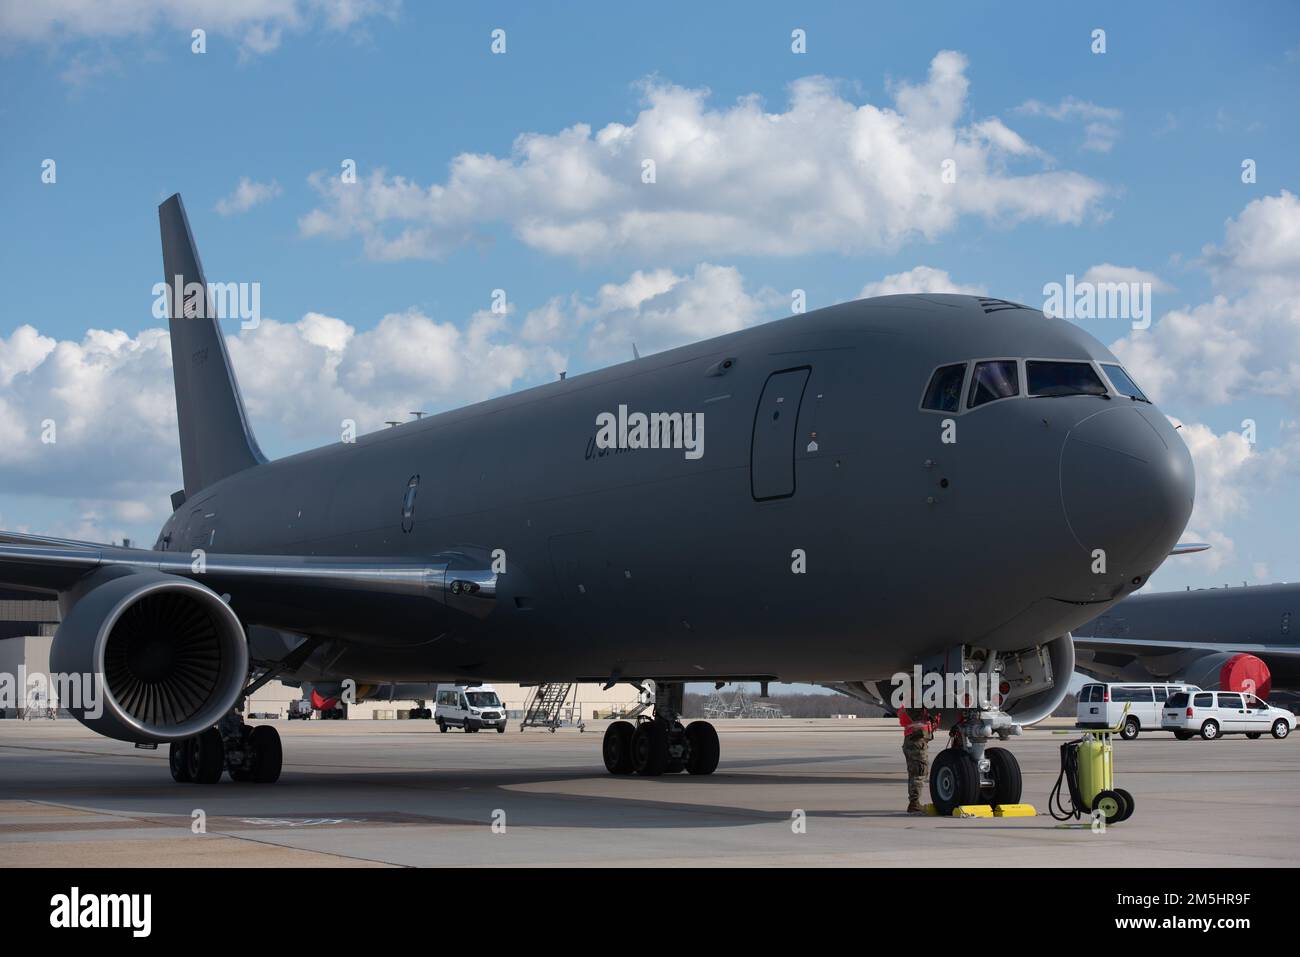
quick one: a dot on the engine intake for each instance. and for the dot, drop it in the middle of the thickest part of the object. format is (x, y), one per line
(169, 656)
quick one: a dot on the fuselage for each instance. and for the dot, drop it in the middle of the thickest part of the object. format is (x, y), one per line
(832, 529)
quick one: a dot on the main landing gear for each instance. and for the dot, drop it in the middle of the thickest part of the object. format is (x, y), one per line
(660, 744)
(970, 772)
(248, 753)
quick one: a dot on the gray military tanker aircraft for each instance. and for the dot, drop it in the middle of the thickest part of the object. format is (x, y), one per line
(1236, 639)
(840, 495)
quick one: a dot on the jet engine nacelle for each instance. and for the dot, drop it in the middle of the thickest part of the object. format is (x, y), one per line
(167, 657)
(1039, 679)
(1230, 671)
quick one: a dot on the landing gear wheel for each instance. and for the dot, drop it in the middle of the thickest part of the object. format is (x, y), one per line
(1130, 730)
(1210, 730)
(1111, 804)
(650, 749)
(705, 749)
(442, 726)
(1129, 804)
(954, 781)
(207, 757)
(1281, 729)
(178, 756)
(617, 747)
(268, 756)
(1005, 771)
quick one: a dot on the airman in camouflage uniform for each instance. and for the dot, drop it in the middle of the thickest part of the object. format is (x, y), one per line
(917, 734)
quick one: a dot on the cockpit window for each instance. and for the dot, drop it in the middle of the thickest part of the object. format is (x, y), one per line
(1063, 378)
(992, 381)
(1123, 383)
(944, 392)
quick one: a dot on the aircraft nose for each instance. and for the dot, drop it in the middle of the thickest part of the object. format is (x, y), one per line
(1127, 486)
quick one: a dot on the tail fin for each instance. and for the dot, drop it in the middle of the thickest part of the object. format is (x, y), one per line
(215, 438)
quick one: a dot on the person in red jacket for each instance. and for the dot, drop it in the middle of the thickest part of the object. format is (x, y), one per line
(918, 731)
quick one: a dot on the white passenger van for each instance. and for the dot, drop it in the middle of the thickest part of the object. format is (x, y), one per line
(1212, 714)
(1101, 704)
(469, 707)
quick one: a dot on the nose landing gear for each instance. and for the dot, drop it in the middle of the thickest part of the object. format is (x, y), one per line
(971, 772)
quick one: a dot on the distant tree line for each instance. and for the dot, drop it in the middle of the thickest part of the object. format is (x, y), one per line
(795, 705)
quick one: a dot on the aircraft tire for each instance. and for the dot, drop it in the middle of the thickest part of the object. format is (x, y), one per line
(207, 757)
(650, 749)
(178, 758)
(705, 748)
(617, 748)
(954, 781)
(268, 755)
(1007, 782)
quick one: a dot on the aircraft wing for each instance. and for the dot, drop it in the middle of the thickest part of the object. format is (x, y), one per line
(1138, 646)
(257, 586)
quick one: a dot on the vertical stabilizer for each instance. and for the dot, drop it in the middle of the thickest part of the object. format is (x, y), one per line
(215, 438)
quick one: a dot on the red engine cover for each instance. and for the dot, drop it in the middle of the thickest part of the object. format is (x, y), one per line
(321, 703)
(1246, 673)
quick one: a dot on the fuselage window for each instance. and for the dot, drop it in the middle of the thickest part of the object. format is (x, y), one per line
(1124, 383)
(1063, 378)
(944, 392)
(993, 381)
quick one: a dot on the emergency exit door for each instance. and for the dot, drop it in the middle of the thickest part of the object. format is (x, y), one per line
(771, 456)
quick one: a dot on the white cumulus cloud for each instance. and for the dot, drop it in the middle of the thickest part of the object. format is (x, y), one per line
(258, 25)
(1245, 340)
(826, 174)
(919, 279)
(246, 195)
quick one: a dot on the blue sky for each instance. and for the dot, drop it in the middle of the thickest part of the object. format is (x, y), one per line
(1128, 159)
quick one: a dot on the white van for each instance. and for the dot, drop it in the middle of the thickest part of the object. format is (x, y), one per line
(469, 707)
(1212, 714)
(1101, 705)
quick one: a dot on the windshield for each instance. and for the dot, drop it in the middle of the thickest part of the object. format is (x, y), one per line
(483, 699)
(1063, 378)
(992, 381)
(944, 392)
(1123, 383)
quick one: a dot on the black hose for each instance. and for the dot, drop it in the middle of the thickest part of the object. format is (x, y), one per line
(1069, 774)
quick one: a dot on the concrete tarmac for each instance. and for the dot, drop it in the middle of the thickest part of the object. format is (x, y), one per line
(788, 792)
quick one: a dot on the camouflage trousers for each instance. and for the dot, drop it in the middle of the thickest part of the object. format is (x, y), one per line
(917, 752)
